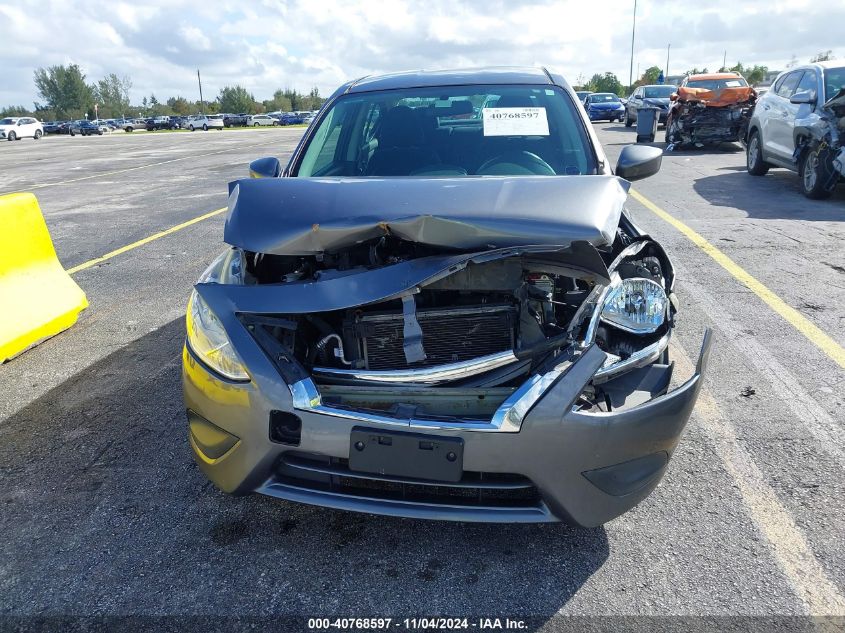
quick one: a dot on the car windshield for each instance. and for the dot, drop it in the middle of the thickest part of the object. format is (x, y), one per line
(603, 98)
(834, 81)
(658, 92)
(449, 131)
(7, 121)
(717, 84)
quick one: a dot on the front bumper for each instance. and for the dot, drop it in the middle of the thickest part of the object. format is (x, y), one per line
(605, 115)
(561, 465)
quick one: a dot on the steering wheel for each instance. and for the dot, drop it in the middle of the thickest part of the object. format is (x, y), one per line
(515, 163)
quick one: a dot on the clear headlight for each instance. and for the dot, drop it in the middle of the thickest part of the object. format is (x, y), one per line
(208, 340)
(636, 305)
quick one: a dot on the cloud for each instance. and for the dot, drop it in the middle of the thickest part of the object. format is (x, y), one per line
(267, 44)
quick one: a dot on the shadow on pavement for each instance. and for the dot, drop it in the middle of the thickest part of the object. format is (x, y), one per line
(104, 512)
(780, 189)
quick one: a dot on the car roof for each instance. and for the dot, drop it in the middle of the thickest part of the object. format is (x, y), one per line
(833, 63)
(714, 76)
(454, 77)
(663, 85)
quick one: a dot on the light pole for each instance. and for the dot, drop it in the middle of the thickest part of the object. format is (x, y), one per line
(668, 47)
(199, 81)
(633, 32)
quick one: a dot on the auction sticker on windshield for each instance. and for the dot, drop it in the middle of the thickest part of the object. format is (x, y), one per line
(515, 122)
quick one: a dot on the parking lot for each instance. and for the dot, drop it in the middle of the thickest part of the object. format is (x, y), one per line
(104, 511)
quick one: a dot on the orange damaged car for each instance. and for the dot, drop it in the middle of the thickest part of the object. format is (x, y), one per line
(709, 109)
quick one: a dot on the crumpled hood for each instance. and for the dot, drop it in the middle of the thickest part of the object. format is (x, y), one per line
(837, 100)
(717, 98)
(308, 216)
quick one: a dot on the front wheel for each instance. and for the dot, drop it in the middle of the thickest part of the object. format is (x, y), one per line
(818, 179)
(205, 127)
(72, 133)
(12, 136)
(754, 156)
(255, 125)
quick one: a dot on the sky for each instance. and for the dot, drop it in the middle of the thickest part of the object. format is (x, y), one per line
(268, 44)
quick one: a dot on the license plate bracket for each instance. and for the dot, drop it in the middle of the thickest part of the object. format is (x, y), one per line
(413, 455)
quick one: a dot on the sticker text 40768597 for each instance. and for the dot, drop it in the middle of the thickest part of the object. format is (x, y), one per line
(515, 122)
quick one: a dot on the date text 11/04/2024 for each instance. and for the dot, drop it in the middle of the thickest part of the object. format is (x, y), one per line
(416, 624)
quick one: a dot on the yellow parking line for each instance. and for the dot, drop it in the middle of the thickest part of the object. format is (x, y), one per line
(146, 240)
(790, 314)
(799, 563)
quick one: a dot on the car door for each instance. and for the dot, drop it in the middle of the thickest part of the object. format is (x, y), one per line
(776, 129)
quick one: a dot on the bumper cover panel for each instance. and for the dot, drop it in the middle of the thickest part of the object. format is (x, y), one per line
(554, 447)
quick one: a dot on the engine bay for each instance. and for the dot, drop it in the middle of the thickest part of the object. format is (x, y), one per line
(473, 335)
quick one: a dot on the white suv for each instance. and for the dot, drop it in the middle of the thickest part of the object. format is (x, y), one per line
(16, 128)
(205, 122)
(774, 139)
(261, 119)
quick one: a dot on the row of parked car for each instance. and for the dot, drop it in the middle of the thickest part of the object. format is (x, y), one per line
(85, 127)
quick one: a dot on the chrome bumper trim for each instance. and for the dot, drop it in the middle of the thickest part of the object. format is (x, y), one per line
(423, 375)
(645, 356)
(508, 417)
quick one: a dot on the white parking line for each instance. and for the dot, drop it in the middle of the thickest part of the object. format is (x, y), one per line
(793, 553)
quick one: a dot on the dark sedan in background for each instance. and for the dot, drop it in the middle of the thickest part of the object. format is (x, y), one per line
(85, 128)
(434, 316)
(604, 106)
(656, 96)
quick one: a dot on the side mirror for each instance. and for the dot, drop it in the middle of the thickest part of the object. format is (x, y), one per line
(268, 167)
(638, 161)
(804, 97)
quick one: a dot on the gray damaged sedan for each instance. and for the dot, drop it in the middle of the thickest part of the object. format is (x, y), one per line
(440, 309)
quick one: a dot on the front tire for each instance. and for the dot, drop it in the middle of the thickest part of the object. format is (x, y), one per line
(255, 125)
(72, 133)
(12, 136)
(192, 128)
(817, 177)
(204, 127)
(628, 121)
(754, 156)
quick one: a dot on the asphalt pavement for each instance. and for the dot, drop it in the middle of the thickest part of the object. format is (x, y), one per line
(104, 512)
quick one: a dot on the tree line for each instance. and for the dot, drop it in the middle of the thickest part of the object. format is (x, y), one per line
(609, 82)
(66, 94)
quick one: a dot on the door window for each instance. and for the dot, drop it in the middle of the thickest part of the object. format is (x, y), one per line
(808, 82)
(787, 87)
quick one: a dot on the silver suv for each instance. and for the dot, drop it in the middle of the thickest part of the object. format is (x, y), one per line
(775, 140)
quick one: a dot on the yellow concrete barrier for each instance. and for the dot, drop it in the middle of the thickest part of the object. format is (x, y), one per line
(38, 299)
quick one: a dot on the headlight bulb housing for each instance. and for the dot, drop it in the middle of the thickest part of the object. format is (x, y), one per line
(637, 305)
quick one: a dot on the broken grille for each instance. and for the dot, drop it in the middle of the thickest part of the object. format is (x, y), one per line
(449, 336)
